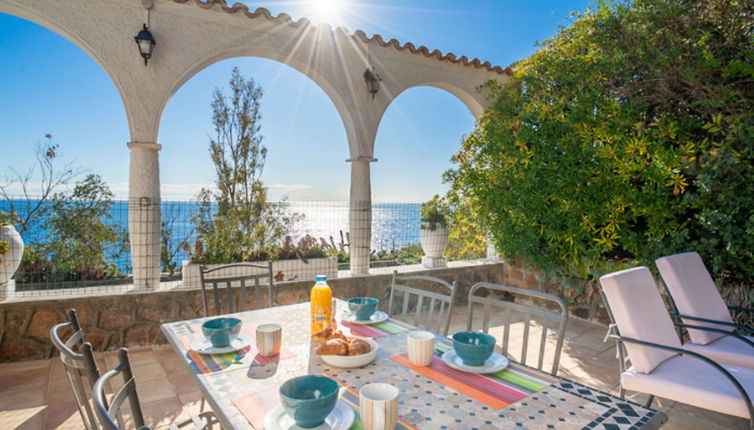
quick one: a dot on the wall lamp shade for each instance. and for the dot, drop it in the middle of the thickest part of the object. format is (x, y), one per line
(373, 81)
(146, 43)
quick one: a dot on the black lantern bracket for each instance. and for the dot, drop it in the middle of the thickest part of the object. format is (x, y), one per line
(372, 80)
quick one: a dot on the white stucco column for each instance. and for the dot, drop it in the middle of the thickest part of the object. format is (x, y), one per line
(360, 214)
(144, 213)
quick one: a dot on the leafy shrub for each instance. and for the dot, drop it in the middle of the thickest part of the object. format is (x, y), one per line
(626, 137)
(433, 214)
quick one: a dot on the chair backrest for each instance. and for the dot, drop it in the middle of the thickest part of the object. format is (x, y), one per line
(637, 309)
(434, 313)
(694, 294)
(501, 298)
(80, 367)
(108, 416)
(226, 277)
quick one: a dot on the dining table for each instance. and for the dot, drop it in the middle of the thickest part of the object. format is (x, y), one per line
(242, 386)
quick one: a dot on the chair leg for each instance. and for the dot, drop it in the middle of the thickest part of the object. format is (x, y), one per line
(649, 401)
(622, 393)
(201, 405)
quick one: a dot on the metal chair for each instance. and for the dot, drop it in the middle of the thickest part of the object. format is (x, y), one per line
(652, 359)
(501, 297)
(108, 416)
(437, 321)
(246, 275)
(80, 367)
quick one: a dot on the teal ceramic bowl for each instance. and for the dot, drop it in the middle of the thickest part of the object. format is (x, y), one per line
(309, 399)
(363, 307)
(473, 347)
(221, 331)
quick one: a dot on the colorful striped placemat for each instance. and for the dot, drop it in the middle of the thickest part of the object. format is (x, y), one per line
(214, 363)
(255, 406)
(384, 328)
(496, 390)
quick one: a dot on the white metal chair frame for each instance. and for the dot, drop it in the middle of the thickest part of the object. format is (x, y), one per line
(438, 322)
(624, 360)
(110, 416)
(229, 281)
(508, 307)
(77, 365)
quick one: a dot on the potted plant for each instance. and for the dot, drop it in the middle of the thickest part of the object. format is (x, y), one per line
(11, 250)
(434, 233)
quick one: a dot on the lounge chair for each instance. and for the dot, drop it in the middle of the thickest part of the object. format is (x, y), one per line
(652, 360)
(700, 307)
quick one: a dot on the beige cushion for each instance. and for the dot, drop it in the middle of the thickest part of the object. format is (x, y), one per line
(640, 314)
(694, 293)
(727, 350)
(694, 382)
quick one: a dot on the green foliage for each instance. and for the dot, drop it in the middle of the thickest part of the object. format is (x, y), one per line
(433, 213)
(82, 239)
(237, 222)
(466, 237)
(626, 137)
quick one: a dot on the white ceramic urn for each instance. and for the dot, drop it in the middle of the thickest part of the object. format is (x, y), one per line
(434, 241)
(10, 261)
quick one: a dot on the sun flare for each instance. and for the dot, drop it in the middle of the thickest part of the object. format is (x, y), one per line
(327, 10)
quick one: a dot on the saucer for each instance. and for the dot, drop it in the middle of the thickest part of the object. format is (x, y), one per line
(376, 317)
(495, 363)
(341, 418)
(205, 347)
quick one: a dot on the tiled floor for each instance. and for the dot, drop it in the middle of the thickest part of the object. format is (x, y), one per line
(36, 395)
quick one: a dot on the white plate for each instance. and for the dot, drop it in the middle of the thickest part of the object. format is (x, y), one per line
(341, 418)
(351, 361)
(205, 347)
(495, 363)
(376, 317)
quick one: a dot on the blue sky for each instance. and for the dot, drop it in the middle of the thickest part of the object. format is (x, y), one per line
(50, 86)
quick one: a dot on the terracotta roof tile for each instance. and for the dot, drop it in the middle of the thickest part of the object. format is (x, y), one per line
(358, 34)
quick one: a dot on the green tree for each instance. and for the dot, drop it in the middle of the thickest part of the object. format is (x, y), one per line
(626, 137)
(236, 222)
(82, 239)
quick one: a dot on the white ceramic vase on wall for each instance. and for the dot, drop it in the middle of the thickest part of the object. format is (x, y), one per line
(10, 261)
(433, 244)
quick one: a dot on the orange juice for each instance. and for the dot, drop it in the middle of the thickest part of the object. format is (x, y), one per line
(321, 306)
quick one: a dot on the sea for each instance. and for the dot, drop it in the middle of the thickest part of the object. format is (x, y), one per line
(394, 225)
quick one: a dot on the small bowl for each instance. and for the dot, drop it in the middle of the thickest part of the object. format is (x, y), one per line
(352, 361)
(473, 347)
(309, 399)
(221, 331)
(363, 307)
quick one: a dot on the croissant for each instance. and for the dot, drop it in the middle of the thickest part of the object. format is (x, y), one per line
(358, 347)
(333, 347)
(321, 337)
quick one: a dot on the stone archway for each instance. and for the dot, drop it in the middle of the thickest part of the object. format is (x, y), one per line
(191, 34)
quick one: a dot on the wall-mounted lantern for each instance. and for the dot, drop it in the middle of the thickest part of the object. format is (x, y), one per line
(146, 43)
(373, 81)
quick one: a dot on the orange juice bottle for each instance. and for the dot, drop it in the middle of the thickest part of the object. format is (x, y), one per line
(321, 307)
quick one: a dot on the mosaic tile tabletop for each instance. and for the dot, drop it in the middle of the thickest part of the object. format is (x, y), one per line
(423, 402)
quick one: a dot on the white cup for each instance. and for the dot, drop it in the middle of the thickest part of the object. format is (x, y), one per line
(269, 339)
(378, 406)
(421, 347)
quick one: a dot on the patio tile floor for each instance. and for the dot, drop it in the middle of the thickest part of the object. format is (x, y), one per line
(35, 395)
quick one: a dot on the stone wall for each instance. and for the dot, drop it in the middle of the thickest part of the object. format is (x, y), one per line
(134, 318)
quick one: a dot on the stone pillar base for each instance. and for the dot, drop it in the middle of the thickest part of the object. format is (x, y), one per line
(7, 290)
(434, 262)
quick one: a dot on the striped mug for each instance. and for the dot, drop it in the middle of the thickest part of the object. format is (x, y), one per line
(269, 339)
(378, 406)
(421, 346)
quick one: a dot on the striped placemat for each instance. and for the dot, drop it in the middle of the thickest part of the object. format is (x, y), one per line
(384, 328)
(214, 363)
(496, 390)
